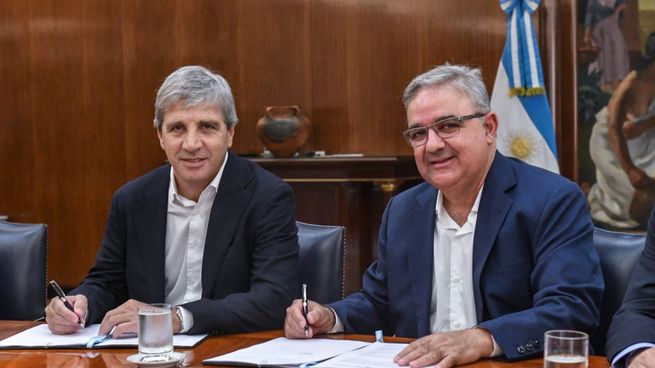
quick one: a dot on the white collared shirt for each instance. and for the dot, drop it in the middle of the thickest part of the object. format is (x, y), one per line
(453, 302)
(186, 232)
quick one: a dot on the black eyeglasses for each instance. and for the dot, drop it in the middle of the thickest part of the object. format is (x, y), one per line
(445, 128)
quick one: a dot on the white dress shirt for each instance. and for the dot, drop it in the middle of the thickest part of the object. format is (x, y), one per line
(186, 232)
(453, 302)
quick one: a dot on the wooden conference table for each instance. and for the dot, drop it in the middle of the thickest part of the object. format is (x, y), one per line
(213, 346)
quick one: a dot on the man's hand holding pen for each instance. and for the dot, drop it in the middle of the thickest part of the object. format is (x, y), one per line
(62, 320)
(319, 318)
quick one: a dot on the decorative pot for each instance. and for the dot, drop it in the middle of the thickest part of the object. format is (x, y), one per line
(283, 130)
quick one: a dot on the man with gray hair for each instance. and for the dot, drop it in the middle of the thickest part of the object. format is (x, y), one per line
(210, 233)
(483, 257)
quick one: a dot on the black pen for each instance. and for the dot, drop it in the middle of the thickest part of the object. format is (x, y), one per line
(305, 308)
(62, 297)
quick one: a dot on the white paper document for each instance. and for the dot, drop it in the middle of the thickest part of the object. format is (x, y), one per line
(376, 355)
(41, 337)
(283, 352)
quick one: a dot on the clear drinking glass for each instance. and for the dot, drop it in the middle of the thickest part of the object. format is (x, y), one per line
(155, 329)
(566, 349)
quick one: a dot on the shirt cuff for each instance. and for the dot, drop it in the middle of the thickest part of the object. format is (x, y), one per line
(187, 320)
(621, 358)
(497, 350)
(338, 326)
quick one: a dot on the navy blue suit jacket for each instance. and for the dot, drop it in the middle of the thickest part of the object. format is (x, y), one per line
(534, 265)
(250, 261)
(635, 320)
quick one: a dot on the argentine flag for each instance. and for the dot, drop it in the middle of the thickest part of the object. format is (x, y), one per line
(525, 128)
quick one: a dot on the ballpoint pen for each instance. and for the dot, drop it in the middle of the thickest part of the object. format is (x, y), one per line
(305, 308)
(62, 297)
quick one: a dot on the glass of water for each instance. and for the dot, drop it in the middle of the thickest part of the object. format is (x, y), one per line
(566, 349)
(155, 329)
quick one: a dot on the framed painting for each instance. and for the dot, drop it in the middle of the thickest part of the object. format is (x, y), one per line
(616, 110)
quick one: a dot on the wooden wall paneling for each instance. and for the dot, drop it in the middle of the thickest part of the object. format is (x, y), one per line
(75, 102)
(567, 88)
(330, 116)
(311, 210)
(272, 63)
(379, 57)
(55, 155)
(17, 180)
(555, 24)
(100, 138)
(355, 205)
(464, 32)
(362, 54)
(203, 33)
(148, 52)
(367, 52)
(567, 91)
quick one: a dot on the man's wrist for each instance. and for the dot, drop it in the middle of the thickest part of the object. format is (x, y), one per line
(337, 326)
(489, 345)
(184, 317)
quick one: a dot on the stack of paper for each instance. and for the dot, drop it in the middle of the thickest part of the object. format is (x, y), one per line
(283, 352)
(41, 337)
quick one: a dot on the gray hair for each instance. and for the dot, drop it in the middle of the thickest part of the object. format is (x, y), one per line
(462, 78)
(195, 85)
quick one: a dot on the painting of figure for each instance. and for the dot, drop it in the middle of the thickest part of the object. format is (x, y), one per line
(618, 110)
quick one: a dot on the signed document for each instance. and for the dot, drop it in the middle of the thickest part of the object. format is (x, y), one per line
(283, 352)
(379, 355)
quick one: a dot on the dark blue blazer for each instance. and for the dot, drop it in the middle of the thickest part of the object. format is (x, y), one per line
(635, 320)
(534, 265)
(250, 262)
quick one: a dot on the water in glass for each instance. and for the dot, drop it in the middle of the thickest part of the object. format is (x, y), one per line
(155, 329)
(565, 361)
(566, 349)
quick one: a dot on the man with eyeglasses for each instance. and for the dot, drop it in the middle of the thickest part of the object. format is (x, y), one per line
(483, 257)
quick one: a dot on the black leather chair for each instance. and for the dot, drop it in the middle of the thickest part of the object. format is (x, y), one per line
(322, 261)
(22, 270)
(618, 254)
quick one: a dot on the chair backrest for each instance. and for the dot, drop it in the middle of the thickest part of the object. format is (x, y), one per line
(23, 250)
(618, 254)
(322, 251)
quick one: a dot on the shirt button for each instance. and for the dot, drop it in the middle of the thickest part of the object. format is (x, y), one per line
(520, 350)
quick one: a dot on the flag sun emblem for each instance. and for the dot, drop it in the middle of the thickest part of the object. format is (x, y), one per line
(523, 145)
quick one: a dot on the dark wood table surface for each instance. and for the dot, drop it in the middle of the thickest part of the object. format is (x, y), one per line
(213, 346)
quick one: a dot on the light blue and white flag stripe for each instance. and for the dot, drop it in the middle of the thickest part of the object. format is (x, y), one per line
(526, 124)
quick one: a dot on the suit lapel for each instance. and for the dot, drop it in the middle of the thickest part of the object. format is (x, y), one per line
(420, 255)
(150, 227)
(494, 206)
(231, 200)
